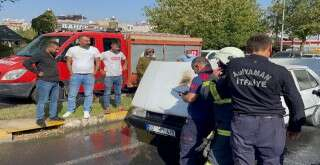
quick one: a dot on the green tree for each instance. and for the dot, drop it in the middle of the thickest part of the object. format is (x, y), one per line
(274, 17)
(220, 22)
(27, 34)
(45, 23)
(302, 19)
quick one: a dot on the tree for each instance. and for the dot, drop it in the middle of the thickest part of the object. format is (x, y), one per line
(274, 17)
(27, 34)
(220, 22)
(45, 23)
(302, 19)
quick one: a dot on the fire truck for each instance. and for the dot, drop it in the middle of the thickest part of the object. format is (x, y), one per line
(16, 81)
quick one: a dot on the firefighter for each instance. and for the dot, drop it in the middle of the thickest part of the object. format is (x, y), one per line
(255, 85)
(144, 62)
(220, 152)
(199, 121)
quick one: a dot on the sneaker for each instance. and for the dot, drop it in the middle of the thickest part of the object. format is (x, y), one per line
(86, 115)
(41, 123)
(56, 119)
(67, 114)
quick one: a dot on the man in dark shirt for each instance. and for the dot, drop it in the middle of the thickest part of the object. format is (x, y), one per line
(200, 115)
(255, 86)
(44, 65)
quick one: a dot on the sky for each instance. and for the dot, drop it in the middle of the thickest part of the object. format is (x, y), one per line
(129, 11)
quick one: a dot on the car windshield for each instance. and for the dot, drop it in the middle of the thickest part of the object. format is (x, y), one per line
(36, 45)
(211, 56)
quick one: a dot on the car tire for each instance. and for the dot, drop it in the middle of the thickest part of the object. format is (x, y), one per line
(314, 119)
(34, 95)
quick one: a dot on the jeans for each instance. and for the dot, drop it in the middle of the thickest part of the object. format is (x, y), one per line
(87, 80)
(110, 81)
(262, 137)
(46, 90)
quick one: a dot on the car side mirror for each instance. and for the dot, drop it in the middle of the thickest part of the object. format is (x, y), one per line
(316, 92)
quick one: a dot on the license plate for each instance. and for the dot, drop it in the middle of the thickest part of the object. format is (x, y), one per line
(160, 130)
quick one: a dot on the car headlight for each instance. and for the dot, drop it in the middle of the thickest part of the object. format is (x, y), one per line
(14, 74)
(139, 112)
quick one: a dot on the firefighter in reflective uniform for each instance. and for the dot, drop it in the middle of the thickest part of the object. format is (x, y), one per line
(220, 152)
(199, 122)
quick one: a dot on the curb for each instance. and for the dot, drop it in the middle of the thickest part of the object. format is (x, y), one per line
(6, 134)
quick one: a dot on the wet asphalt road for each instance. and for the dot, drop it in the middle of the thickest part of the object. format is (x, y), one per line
(117, 144)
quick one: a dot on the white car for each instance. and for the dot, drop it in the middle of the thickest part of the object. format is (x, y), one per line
(209, 54)
(158, 111)
(308, 84)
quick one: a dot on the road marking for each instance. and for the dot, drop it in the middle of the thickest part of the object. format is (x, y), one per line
(101, 154)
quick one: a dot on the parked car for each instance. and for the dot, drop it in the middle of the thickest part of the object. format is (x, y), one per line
(209, 54)
(151, 115)
(16, 81)
(287, 54)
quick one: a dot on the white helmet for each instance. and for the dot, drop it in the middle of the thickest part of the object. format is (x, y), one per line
(225, 54)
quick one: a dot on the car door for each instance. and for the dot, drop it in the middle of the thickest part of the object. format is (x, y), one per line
(307, 81)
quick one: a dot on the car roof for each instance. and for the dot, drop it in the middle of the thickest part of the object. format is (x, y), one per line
(294, 67)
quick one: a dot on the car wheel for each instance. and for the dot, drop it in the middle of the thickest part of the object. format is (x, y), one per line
(315, 118)
(34, 95)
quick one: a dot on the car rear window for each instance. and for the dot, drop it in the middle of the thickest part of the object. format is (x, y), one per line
(305, 79)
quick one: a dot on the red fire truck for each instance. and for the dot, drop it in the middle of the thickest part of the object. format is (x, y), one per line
(16, 81)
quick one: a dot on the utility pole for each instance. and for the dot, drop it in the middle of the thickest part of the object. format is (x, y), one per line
(282, 27)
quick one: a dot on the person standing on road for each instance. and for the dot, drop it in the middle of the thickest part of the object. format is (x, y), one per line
(83, 62)
(220, 152)
(256, 85)
(44, 65)
(144, 62)
(199, 122)
(187, 57)
(113, 68)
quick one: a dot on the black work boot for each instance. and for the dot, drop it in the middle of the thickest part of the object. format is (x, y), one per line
(41, 123)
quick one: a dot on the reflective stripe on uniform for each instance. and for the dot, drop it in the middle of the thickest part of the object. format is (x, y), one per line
(213, 90)
(223, 132)
(208, 163)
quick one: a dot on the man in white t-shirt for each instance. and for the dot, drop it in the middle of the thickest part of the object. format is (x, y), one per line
(113, 71)
(83, 62)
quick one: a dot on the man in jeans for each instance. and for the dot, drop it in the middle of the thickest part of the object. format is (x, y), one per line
(44, 65)
(113, 70)
(83, 62)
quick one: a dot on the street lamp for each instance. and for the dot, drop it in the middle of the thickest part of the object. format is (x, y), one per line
(282, 27)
